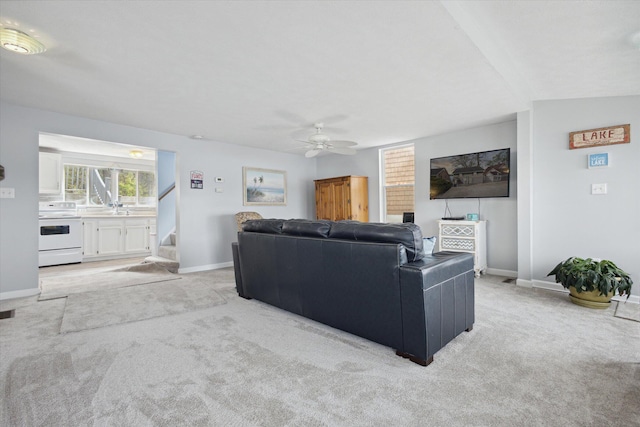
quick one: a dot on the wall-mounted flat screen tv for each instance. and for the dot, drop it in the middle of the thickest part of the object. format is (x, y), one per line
(473, 175)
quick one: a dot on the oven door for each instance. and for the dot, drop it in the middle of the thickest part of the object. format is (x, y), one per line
(59, 233)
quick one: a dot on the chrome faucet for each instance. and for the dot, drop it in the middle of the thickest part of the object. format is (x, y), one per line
(115, 206)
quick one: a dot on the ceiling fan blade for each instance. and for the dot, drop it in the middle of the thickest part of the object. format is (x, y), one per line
(342, 143)
(342, 150)
(312, 153)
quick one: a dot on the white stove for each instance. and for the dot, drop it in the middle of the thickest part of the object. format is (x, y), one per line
(59, 234)
(57, 210)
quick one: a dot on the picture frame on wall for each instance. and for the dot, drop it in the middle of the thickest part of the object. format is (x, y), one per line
(264, 186)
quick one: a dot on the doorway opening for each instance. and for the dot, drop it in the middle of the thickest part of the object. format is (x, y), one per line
(112, 189)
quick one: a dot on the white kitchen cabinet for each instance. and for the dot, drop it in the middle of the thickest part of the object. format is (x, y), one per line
(89, 238)
(465, 236)
(136, 235)
(50, 173)
(110, 237)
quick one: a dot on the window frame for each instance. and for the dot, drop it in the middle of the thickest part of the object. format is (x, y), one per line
(87, 197)
(383, 178)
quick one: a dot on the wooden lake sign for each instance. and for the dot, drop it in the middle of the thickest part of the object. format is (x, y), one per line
(602, 136)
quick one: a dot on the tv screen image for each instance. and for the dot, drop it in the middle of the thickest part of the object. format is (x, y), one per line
(473, 175)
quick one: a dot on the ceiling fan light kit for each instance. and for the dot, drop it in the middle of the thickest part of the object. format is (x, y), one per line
(20, 42)
(322, 142)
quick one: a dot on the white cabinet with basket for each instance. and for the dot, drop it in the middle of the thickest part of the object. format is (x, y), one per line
(465, 236)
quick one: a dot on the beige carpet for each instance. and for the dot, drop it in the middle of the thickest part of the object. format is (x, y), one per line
(65, 285)
(626, 310)
(97, 309)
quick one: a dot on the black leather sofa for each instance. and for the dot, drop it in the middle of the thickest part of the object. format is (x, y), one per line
(372, 280)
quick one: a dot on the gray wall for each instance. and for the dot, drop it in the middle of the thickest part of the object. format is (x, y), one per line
(566, 219)
(167, 207)
(552, 216)
(206, 226)
(500, 212)
(364, 163)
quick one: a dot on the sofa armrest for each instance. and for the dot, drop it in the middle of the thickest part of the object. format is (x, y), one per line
(438, 302)
(237, 271)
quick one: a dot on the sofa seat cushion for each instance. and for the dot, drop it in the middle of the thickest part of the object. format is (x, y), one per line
(407, 234)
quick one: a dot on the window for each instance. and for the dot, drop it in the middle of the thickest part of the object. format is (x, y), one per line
(397, 190)
(146, 188)
(136, 187)
(92, 186)
(100, 186)
(75, 184)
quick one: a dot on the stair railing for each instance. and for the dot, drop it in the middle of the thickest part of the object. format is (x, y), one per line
(167, 191)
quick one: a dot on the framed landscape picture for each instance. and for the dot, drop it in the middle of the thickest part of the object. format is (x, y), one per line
(264, 186)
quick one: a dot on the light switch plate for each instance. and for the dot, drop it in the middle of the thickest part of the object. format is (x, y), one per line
(598, 188)
(7, 193)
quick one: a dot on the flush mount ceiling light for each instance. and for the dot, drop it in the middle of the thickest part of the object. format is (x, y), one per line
(136, 154)
(19, 42)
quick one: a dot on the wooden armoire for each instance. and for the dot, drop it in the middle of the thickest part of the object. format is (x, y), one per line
(344, 197)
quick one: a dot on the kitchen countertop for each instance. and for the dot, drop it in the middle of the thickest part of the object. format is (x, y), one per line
(109, 215)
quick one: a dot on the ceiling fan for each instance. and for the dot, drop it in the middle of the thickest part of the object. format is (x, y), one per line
(321, 142)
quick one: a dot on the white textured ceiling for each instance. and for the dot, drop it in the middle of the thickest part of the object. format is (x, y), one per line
(260, 73)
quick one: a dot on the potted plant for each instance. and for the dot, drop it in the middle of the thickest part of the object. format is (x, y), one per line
(592, 282)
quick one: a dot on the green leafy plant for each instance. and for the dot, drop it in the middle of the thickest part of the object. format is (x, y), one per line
(590, 275)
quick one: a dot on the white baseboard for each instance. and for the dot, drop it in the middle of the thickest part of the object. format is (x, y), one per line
(524, 283)
(551, 286)
(19, 294)
(205, 267)
(498, 272)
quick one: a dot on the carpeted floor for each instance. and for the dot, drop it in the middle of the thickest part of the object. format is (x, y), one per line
(97, 309)
(629, 311)
(64, 285)
(532, 359)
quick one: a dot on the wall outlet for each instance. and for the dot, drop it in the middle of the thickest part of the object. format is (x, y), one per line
(7, 193)
(598, 188)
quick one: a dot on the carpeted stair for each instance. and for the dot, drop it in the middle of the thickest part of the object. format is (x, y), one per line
(167, 256)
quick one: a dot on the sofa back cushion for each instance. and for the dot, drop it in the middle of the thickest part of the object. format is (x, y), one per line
(407, 234)
(306, 228)
(269, 226)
